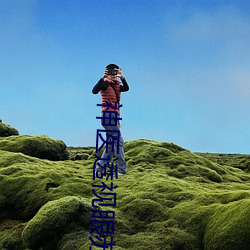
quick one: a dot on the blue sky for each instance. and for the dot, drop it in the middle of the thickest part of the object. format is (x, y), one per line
(187, 64)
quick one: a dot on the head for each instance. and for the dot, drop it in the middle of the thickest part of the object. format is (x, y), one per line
(113, 70)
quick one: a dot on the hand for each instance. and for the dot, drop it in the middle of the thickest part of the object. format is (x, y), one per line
(119, 74)
(105, 74)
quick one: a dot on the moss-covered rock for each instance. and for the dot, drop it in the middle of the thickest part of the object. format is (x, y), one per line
(27, 183)
(51, 220)
(241, 161)
(152, 151)
(141, 212)
(81, 153)
(7, 130)
(10, 235)
(167, 239)
(39, 146)
(229, 227)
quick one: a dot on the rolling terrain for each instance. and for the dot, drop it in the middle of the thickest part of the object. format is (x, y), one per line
(171, 198)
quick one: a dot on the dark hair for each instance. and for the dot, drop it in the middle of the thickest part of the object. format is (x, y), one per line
(112, 66)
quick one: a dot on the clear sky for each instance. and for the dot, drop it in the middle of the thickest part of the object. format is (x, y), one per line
(187, 63)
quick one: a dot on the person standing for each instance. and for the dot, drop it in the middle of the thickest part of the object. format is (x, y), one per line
(111, 90)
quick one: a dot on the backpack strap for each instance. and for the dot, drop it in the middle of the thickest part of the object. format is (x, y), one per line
(117, 97)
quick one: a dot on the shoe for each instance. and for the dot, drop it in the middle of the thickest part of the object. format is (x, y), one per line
(99, 173)
(121, 173)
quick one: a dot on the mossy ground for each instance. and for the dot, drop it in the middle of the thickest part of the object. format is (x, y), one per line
(7, 130)
(171, 198)
(40, 146)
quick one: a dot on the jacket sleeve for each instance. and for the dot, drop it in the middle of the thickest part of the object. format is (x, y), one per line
(124, 87)
(101, 85)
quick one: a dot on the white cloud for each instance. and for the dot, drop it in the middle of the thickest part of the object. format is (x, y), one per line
(212, 49)
(225, 24)
(222, 35)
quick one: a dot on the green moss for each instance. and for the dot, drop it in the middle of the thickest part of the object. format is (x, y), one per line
(81, 153)
(140, 212)
(7, 130)
(152, 151)
(10, 235)
(170, 198)
(228, 227)
(39, 146)
(166, 238)
(235, 160)
(74, 240)
(28, 183)
(51, 220)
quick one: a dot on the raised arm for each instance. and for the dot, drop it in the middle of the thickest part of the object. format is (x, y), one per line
(124, 87)
(101, 85)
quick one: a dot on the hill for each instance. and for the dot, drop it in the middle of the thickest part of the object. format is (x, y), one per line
(171, 198)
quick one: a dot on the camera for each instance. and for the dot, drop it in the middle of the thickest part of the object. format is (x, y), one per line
(112, 72)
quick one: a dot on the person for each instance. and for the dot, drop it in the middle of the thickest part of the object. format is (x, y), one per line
(111, 89)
